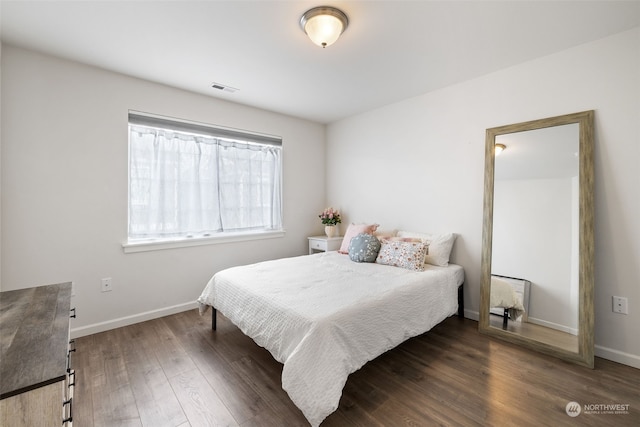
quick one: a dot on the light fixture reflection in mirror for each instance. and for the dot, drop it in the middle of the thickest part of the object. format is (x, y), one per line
(537, 255)
(500, 148)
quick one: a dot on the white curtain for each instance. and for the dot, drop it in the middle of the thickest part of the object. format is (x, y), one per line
(183, 185)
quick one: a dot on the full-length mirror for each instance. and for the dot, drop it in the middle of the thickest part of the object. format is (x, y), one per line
(537, 255)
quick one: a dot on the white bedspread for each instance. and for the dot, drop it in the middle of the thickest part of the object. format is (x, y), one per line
(324, 316)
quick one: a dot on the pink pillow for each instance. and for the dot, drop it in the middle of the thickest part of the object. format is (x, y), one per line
(352, 231)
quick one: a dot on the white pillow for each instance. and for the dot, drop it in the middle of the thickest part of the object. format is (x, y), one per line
(384, 234)
(439, 246)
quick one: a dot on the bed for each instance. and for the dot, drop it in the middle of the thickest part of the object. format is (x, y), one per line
(509, 298)
(324, 316)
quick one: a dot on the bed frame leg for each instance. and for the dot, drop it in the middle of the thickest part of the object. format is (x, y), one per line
(505, 318)
(214, 316)
(461, 301)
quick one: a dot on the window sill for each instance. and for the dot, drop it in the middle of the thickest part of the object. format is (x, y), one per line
(156, 245)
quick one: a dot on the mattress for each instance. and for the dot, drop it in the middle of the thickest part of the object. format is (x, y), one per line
(324, 316)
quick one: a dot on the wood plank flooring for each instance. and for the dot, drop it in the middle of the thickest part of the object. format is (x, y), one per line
(176, 372)
(539, 333)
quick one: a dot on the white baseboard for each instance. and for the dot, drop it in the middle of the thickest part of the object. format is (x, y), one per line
(552, 325)
(473, 315)
(618, 356)
(130, 320)
(600, 351)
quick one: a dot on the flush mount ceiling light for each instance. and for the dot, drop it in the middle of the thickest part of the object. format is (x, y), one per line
(324, 24)
(499, 148)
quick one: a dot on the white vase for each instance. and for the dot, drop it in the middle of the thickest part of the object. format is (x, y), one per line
(330, 230)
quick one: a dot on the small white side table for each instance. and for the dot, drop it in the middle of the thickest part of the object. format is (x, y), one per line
(324, 243)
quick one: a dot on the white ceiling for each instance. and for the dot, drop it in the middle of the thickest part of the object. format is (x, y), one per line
(547, 153)
(391, 51)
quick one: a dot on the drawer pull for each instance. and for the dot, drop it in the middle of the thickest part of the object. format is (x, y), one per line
(70, 417)
(72, 378)
(71, 350)
(67, 414)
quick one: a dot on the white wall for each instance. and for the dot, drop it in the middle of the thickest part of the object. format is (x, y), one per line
(64, 188)
(532, 239)
(0, 168)
(419, 164)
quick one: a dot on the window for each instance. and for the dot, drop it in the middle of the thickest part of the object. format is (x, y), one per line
(191, 180)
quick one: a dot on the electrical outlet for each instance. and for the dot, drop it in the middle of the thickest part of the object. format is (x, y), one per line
(620, 305)
(106, 284)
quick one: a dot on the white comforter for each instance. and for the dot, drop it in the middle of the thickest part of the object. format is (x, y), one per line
(324, 316)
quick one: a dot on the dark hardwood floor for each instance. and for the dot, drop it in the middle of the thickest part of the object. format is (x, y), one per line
(175, 371)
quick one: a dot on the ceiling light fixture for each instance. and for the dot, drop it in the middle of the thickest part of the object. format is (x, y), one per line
(500, 148)
(324, 24)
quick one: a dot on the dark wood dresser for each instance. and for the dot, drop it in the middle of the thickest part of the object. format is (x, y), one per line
(36, 386)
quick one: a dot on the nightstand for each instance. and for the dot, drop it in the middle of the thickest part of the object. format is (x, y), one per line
(324, 243)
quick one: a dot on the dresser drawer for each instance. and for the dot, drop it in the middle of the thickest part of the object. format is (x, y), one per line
(323, 244)
(318, 244)
(37, 379)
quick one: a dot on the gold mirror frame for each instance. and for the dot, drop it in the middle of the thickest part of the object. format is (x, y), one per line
(585, 353)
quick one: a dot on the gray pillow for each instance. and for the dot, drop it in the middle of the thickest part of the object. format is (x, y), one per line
(364, 248)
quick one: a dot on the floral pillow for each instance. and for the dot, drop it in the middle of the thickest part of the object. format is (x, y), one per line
(352, 231)
(364, 248)
(405, 254)
(438, 246)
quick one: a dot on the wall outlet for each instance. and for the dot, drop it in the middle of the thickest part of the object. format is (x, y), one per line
(620, 305)
(106, 284)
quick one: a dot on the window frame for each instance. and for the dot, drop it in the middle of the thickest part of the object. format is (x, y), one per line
(179, 125)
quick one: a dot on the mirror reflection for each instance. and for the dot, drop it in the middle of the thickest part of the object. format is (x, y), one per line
(537, 253)
(534, 267)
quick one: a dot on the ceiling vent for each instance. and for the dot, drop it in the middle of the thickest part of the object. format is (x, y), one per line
(223, 88)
